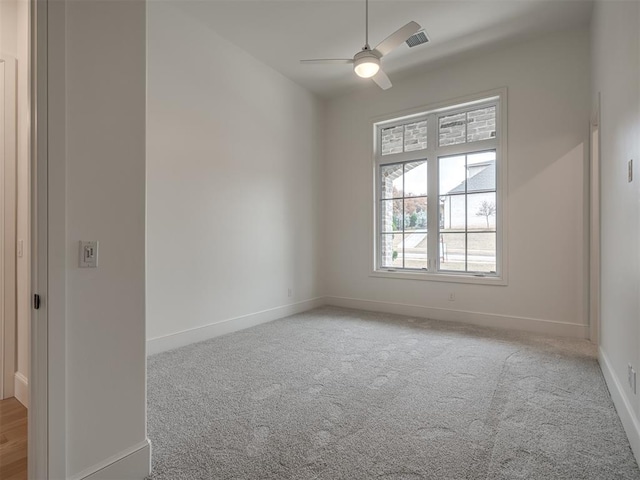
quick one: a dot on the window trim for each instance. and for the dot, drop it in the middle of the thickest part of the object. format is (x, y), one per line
(499, 144)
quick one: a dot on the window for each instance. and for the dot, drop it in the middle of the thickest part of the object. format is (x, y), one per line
(438, 202)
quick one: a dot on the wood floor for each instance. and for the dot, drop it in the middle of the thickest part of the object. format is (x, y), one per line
(13, 440)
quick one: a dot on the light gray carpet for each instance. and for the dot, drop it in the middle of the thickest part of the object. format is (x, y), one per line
(343, 394)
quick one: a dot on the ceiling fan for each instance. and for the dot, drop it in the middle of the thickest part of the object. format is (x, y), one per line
(366, 63)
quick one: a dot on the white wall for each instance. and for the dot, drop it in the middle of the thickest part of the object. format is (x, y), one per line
(14, 41)
(616, 75)
(104, 200)
(233, 159)
(548, 114)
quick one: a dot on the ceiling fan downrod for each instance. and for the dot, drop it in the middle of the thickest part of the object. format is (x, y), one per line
(366, 26)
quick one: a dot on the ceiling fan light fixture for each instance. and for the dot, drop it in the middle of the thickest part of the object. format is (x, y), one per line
(367, 65)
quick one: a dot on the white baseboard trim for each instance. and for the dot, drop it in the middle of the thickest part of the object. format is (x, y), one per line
(534, 325)
(198, 334)
(21, 388)
(132, 463)
(623, 406)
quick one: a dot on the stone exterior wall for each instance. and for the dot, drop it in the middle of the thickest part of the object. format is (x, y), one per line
(481, 124)
(467, 127)
(452, 129)
(392, 139)
(415, 136)
(404, 138)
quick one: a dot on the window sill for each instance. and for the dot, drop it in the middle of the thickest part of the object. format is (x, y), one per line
(440, 277)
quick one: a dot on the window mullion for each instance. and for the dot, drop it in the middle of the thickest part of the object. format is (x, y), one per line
(432, 193)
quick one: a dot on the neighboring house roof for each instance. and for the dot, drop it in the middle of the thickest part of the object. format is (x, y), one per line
(482, 181)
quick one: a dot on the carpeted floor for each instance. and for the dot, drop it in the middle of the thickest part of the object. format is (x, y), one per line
(344, 394)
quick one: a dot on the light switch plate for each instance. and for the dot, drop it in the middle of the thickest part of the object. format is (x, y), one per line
(88, 254)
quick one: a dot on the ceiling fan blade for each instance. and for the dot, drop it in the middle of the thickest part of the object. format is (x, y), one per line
(382, 80)
(330, 61)
(397, 38)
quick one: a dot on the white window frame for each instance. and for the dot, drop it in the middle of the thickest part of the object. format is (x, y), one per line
(432, 153)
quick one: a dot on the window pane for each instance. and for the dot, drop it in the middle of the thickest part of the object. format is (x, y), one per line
(481, 124)
(453, 174)
(391, 249)
(415, 179)
(415, 136)
(415, 250)
(391, 181)
(391, 215)
(452, 213)
(452, 129)
(392, 139)
(452, 188)
(481, 252)
(481, 171)
(481, 208)
(452, 251)
(415, 213)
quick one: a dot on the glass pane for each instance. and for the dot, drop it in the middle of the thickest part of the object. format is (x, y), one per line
(415, 213)
(391, 215)
(481, 252)
(415, 179)
(481, 208)
(452, 213)
(452, 251)
(452, 187)
(392, 140)
(452, 129)
(481, 124)
(391, 181)
(415, 250)
(391, 249)
(453, 174)
(415, 136)
(481, 168)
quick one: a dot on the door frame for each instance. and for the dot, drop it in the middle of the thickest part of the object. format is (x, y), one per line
(39, 431)
(8, 205)
(594, 222)
(47, 412)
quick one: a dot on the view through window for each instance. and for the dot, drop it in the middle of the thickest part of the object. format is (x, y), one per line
(437, 200)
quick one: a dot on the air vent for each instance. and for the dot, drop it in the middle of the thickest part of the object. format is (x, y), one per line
(417, 39)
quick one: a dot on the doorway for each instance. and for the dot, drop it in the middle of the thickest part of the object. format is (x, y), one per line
(7, 225)
(15, 233)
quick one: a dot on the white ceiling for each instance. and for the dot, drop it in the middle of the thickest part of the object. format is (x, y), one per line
(280, 33)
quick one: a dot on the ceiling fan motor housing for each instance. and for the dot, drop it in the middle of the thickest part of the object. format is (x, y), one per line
(366, 63)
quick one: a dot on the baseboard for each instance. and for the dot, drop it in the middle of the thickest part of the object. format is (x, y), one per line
(21, 388)
(623, 406)
(205, 332)
(132, 463)
(198, 334)
(534, 325)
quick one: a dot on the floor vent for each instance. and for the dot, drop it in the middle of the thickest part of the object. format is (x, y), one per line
(417, 39)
